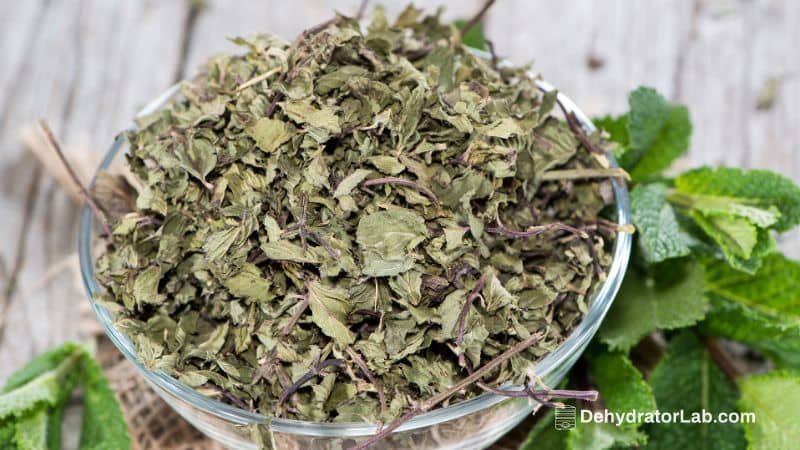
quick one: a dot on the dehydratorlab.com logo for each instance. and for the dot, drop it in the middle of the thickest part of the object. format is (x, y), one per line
(567, 417)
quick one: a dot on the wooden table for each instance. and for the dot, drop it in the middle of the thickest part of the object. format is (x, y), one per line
(88, 65)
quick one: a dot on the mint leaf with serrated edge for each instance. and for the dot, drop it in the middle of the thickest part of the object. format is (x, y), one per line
(103, 425)
(762, 310)
(46, 361)
(743, 246)
(33, 400)
(45, 389)
(660, 235)
(671, 143)
(775, 399)
(31, 430)
(622, 387)
(671, 297)
(736, 209)
(758, 188)
(652, 135)
(687, 380)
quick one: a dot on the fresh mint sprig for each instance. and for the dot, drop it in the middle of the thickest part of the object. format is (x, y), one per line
(33, 400)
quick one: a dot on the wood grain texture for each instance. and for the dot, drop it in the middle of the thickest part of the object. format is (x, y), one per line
(85, 66)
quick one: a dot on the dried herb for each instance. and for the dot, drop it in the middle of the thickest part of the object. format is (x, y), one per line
(357, 225)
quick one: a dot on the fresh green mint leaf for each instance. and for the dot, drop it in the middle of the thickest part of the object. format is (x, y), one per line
(544, 435)
(736, 210)
(652, 135)
(602, 436)
(585, 435)
(737, 238)
(45, 389)
(671, 143)
(475, 37)
(649, 112)
(714, 205)
(775, 399)
(622, 389)
(620, 384)
(742, 244)
(33, 401)
(7, 434)
(762, 189)
(617, 129)
(762, 309)
(31, 430)
(104, 425)
(660, 235)
(54, 418)
(45, 362)
(687, 380)
(672, 297)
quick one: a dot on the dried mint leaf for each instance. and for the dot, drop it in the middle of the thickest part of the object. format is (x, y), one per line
(328, 229)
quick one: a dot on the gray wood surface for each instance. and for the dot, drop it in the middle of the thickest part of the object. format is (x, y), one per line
(88, 65)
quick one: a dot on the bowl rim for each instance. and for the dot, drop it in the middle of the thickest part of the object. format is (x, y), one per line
(599, 305)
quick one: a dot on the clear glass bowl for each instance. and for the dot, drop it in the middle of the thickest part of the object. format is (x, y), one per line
(471, 424)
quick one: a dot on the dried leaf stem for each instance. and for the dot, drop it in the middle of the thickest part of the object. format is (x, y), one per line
(368, 373)
(543, 396)
(362, 9)
(476, 18)
(578, 131)
(462, 316)
(86, 194)
(315, 371)
(289, 75)
(470, 379)
(230, 397)
(578, 174)
(402, 182)
(257, 79)
(502, 230)
(301, 308)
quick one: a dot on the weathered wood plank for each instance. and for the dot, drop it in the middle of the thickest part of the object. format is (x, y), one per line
(634, 42)
(736, 48)
(774, 133)
(88, 66)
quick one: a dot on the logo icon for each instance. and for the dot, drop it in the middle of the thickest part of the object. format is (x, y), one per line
(565, 417)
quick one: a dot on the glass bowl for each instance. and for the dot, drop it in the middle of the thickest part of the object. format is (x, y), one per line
(471, 424)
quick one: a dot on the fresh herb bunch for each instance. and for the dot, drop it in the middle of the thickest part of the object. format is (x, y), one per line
(348, 226)
(705, 267)
(33, 401)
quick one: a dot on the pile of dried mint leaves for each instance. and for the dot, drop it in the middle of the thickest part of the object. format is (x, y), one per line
(340, 228)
